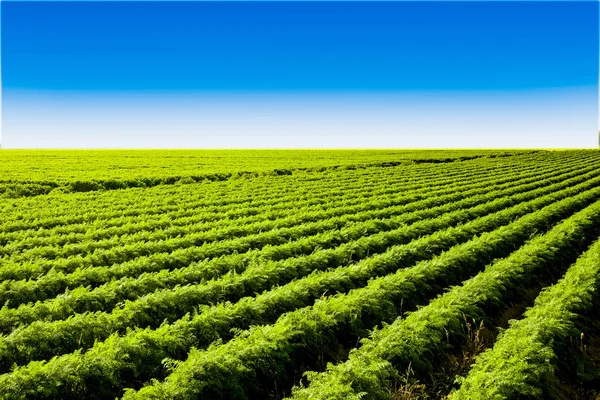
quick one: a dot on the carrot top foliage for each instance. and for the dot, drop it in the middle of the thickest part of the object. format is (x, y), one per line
(314, 274)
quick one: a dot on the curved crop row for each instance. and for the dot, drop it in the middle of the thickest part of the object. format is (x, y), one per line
(215, 185)
(45, 339)
(525, 356)
(227, 221)
(160, 203)
(122, 165)
(87, 177)
(370, 371)
(72, 273)
(356, 202)
(241, 365)
(241, 203)
(139, 352)
(275, 198)
(338, 170)
(232, 204)
(107, 296)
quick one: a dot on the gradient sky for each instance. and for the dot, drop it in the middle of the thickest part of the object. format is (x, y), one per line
(300, 74)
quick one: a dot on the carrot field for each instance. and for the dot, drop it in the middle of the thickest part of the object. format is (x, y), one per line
(305, 274)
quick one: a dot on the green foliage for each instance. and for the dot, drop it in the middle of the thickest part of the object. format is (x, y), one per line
(180, 275)
(524, 359)
(412, 341)
(244, 359)
(81, 299)
(89, 170)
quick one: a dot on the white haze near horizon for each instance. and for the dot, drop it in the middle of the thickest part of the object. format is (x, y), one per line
(559, 118)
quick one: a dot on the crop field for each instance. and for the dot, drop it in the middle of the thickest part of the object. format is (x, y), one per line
(313, 274)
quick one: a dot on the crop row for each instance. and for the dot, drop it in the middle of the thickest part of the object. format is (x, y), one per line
(266, 262)
(370, 370)
(242, 365)
(104, 206)
(155, 203)
(134, 202)
(145, 180)
(351, 212)
(57, 337)
(254, 206)
(138, 354)
(212, 223)
(49, 166)
(168, 258)
(100, 169)
(103, 212)
(97, 172)
(524, 359)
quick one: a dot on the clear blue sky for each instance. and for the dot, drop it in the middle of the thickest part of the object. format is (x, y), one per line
(103, 73)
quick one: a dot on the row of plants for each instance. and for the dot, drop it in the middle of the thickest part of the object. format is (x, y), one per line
(263, 216)
(372, 370)
(354, 243)
(120, 361)
(96, 172)
(53, 278)
(249, 364)
(62, 336)
(526, 356)
(130, 204)
(223, 202)
(144, 202)
(85, 165)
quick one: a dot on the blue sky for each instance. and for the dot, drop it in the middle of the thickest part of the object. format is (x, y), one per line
(300, 74)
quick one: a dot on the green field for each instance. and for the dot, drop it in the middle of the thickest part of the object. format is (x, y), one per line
(304, 274)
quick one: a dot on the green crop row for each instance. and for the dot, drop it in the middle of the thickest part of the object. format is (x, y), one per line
(154, 166)
(64, 335)
(74, 272)
(98, 171)
(524, 359)
(242, 365)
(110, 211)
(131, 203)
(83, 299)
(57, 337)
(139, 352)
(138, 205)
(370, 371)
(226, 221)
(143, 202)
